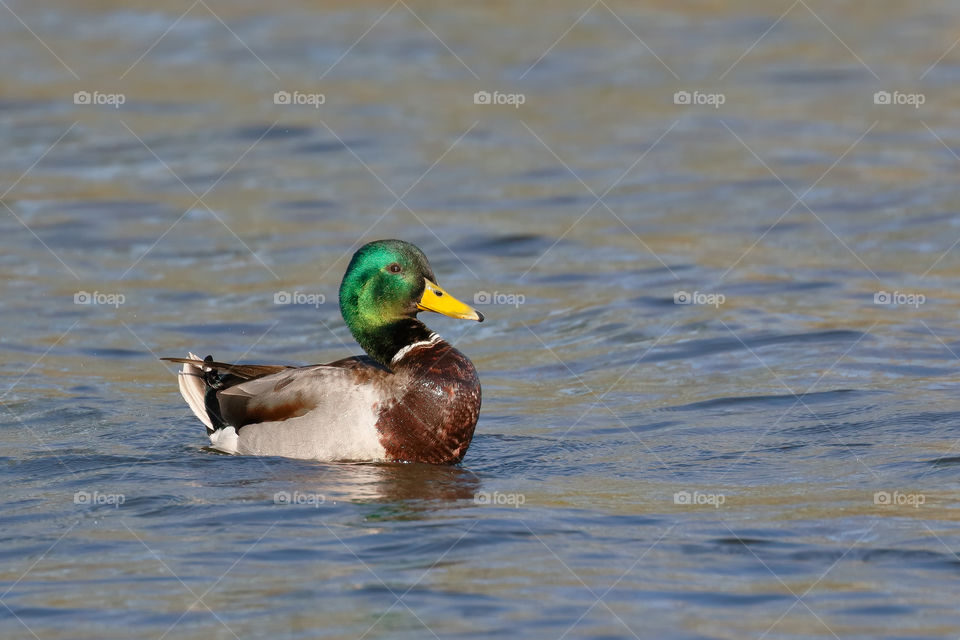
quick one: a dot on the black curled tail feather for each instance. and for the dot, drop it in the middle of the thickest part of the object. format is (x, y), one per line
(209, 378)
(214, 382)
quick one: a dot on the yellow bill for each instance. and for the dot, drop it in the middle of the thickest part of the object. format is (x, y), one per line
(435, 299)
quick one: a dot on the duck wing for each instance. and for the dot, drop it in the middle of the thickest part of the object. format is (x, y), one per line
(235, 395)
(295, 392)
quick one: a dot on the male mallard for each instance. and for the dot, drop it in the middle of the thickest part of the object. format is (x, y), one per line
(412, 398)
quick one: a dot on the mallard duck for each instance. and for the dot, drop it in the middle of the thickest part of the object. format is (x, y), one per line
(412, 398)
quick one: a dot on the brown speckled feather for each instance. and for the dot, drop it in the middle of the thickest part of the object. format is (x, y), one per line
(435, 406)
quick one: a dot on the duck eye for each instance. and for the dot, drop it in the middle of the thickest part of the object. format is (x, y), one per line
(394, 268)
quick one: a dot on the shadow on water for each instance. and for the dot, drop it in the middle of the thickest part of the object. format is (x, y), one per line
(399, 488)
(416, 486)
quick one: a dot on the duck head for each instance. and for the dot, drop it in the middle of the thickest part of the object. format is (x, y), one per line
(387, 283)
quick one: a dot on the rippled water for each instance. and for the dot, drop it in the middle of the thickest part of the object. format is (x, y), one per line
(641, 468)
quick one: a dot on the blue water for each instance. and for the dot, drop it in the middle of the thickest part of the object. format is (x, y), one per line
(777, 460)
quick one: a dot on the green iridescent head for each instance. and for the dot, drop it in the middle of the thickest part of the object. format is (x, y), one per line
(387, 283)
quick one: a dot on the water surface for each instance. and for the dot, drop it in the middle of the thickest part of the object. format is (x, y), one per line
(641, 468)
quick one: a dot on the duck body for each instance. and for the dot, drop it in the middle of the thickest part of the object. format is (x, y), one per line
(414, 398)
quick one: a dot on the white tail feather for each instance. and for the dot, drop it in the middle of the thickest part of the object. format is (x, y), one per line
(225, 440)
(192, 389)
